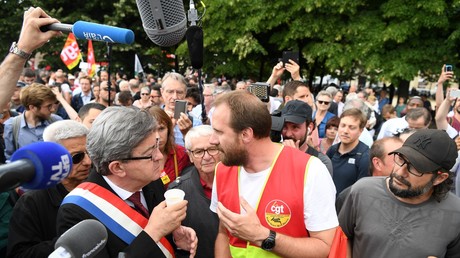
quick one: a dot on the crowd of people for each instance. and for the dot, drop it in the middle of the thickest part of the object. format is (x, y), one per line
(290, 177)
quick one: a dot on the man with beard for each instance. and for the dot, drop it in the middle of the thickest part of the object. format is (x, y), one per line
(104, 94)
(412, 213)
(272, 200)
(32, 228)
(40, 104)
(297, 129)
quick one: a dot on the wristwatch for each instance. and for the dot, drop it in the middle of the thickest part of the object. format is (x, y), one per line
(269, 243)
(15, 50)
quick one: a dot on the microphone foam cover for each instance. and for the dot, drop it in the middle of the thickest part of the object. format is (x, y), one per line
(99, 32)
(164, 21)
(52, 163)
(85, 239)
(194, 37)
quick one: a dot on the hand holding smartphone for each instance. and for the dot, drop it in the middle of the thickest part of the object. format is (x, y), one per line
(293, 55)
(454, 93)
(180, 106)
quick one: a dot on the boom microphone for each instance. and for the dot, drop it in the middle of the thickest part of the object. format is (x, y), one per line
(94, 31)
(194, 38)
(85, 239)
(36, 166)
(164, 21)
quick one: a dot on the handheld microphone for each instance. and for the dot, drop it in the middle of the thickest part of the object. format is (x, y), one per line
(164, 21)
(94, 31)
(85, 239)
(36, 166)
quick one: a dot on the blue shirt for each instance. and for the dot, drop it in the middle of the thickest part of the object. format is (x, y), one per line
(349, 167)
(178, 134)
(27, 134)
(322, 126)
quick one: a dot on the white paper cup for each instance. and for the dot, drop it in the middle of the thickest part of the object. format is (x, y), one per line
(173, 196)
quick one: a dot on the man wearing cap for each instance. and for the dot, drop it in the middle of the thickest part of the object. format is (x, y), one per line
(297, 129)
(411, 213)
(392, 126)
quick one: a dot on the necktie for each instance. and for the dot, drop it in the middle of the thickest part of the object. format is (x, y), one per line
(138, 206)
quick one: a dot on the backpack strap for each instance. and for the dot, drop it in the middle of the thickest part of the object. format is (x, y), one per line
(16, 126)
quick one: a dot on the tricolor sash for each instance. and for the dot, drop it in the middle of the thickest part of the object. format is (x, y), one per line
(113, 212)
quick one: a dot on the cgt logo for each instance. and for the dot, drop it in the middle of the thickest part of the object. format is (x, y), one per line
(277, 213)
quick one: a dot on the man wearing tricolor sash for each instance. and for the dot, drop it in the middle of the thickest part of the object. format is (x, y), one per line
(124, 192)
(272, 200)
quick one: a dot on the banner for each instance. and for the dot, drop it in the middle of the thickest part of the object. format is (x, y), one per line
(70, 54)
(91, 60)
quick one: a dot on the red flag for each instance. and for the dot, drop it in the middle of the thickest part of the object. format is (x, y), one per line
(70, 53)
(91, 59)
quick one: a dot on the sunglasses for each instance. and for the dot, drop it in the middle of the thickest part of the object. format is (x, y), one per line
(78, 157)
(324, 102)
(145, 94)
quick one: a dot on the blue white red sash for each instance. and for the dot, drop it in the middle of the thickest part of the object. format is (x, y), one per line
(113, 212)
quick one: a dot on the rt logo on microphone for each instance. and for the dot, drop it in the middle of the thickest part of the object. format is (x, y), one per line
(60, 170)
(97, 37)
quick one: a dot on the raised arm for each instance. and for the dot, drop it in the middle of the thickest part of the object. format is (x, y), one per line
(440, 90)
(30, 39)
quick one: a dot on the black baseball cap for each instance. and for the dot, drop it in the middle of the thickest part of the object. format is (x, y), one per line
(429, 150)
(296, 111)
(21, 84)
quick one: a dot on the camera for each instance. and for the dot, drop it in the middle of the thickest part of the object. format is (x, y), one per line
(448, 68)
(260, 90)
(277, 127)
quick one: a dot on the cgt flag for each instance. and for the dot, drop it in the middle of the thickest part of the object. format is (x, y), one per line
(91, 60)
(70, 54)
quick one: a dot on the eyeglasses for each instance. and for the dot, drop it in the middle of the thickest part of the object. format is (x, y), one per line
(200, 152)
(324, 102)
(207, 95)
(78, 157)
(401, 161)
(155, 147)
(154, 96)
(50, 106)
(178, 92)
(145, 94)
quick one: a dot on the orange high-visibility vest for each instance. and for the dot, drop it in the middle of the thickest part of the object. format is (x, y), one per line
(281, 203)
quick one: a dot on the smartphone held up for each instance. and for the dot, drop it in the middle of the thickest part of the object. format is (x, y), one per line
(180, 106)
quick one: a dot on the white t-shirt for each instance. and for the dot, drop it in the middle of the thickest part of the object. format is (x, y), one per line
(319, 195)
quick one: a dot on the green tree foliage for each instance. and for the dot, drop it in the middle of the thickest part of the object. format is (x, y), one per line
(391, 40)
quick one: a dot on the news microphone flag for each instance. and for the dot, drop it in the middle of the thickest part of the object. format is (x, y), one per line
(137, 65)
(91, 59)
(70, 53)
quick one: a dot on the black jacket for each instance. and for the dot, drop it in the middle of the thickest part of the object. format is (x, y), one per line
(199, 216)
(32, 229)
(142, 246)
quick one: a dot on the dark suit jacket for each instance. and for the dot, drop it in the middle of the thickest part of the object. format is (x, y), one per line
(142, 246)
(33, 223)
(77, 101)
